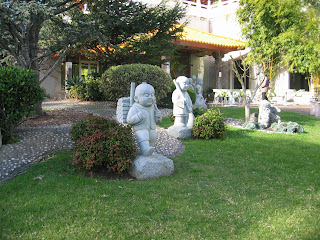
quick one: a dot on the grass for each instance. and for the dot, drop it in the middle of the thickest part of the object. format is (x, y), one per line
(250, 185)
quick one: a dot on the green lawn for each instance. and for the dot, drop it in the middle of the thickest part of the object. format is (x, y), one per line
(250, 185)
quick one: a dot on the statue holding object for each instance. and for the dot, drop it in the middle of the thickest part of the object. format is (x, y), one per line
(182, 110)
(143, 116)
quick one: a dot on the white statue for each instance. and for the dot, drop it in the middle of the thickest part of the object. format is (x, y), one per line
(182, 110)
(268, 114)
(182, 104)
(200, 102)
(143, 116)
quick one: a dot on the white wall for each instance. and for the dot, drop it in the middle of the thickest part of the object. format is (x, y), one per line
(52, 84)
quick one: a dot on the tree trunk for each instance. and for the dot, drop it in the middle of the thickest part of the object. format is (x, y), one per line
(247, 111)
(33, 45)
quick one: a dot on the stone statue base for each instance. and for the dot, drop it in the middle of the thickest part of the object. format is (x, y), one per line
(200, 102)
(149, 167)
(180, 132)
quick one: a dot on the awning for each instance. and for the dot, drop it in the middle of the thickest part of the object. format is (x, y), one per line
(197, 39)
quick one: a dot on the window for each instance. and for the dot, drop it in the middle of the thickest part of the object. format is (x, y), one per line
(87, 68)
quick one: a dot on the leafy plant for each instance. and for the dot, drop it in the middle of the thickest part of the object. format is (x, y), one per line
(288, 127)
(116, 80)
(192, 95)
(103, 143)
(73, 82)
(209, 125)
(89, 90)
(19, 93)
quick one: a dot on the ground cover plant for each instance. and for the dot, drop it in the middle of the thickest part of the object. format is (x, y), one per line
(250, 185)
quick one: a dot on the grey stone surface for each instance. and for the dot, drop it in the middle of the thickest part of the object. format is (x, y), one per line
(200, 102)
(268, 114)
(182, 104)
(143, 116)
(35, 144)
(179, 132)
(149, 167)
(123, 106)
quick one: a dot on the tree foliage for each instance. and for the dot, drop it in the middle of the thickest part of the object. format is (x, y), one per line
(124, 32)
(115, 30)
(21, 23)
(283, 33)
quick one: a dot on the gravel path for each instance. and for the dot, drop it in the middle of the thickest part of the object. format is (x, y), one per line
(38, 142)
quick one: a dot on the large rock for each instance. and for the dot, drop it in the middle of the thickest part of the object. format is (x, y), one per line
(179, 132)
(149, 167)
(268, 114)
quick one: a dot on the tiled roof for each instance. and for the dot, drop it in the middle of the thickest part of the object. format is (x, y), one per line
(193, 37)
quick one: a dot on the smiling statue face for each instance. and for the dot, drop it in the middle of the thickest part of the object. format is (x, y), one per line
(144, 95)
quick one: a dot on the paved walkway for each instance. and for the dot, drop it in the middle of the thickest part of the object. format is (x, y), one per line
(305, 109)
(38, 142)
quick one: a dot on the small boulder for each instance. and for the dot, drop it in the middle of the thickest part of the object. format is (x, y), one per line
(150, 167)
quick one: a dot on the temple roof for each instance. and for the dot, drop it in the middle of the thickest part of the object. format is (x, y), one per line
(195, 38)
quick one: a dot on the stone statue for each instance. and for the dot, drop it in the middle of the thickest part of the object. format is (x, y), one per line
(143, 116)
(191, 85)
(182, 110)
(200, 102)
(268, 114)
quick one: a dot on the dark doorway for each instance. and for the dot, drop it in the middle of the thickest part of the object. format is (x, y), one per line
(299, 81)
(236, 83)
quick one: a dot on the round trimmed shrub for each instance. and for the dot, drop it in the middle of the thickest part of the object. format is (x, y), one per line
(116, 80)
(209, 125)
(103, 144)
(20, 92)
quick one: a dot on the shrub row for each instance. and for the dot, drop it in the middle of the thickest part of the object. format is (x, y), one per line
(19, 94)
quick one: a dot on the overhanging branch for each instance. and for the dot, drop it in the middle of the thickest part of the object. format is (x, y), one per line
(54, 66)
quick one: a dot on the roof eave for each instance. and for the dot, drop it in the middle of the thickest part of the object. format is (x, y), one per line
(208, 46)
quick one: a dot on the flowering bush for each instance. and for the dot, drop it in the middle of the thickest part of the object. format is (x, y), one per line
(209, 125)
(103, 143)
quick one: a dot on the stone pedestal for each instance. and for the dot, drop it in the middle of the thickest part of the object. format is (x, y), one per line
(315, 108)
(149, 167)
(179, 132)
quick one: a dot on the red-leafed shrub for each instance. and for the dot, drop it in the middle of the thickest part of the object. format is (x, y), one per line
(102, 143)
